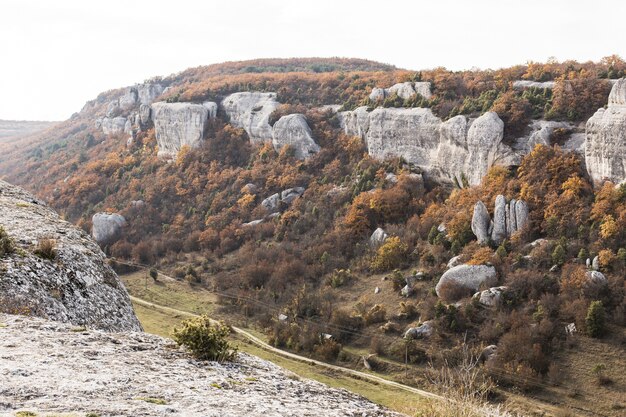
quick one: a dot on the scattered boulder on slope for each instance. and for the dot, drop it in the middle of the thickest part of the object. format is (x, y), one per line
(378, 238)
(293, 130)
(251, 111)
(107, 227)
(76, 285)
(605, 143)
(422, 331)
(463, 280)
(178, 124)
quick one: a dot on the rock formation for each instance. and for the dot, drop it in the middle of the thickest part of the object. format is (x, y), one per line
(522, 84)
(491, 297)
(251, 111)
(466, 278)
(286, 197)
(76, 285)
(107, 227)
(293, 130)
(178, 124)
(457, 151)
(508, 219)
(605, 143)
(404, 90)
(422, 331)
(47, 367)
(378, 238)
(114, 125)
(212, 108)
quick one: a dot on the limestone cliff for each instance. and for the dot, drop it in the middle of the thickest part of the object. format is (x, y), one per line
(178, 124)
(294, 131)
(251, 111)
(74, 285)
(605, 143)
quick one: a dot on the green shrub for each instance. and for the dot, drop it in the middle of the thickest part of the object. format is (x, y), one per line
(206, 341)
(6, 243)
(595, 319)
(339, 278)
(154, 274)
(558, 255)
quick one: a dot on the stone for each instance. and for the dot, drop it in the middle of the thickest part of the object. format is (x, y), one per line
(212, 108)
(523, 84)
(595, 264)
(148, 92)
(605, 144)
(114, 126)
(250, 188)
(137, 204)
(406, 291)
(511, 226)
(177, 125)
(469, 277)
(144, 114)
(107, 227)
(596, 277)
(128, 99)
(376, 290)
(405, 90)
(113, 109)
(588, 263)
(488, 352)
(521, 214)
(499, 220)
(115, 374)
(423, 88)
(289, 195)
(78, 286)
(423, 331)
(251, 111)
(294, 131)
(252, 223)
(483, 139)
(377, 94)
(378, 238)
(491, 297)
(480, 223)
(282, 317)
(271, 203)
(454, 261)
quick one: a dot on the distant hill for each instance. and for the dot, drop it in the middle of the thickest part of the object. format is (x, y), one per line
(10, 129)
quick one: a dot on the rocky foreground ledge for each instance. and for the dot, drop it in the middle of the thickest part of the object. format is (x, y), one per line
(51, 367)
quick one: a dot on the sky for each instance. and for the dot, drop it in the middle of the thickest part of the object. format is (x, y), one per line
(56, 55)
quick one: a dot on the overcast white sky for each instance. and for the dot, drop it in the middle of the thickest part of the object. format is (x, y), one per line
(57, 54)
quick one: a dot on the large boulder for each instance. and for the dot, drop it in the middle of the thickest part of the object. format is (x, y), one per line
(464, 280)
(481, 222)
(251, 111)
(114, 125)
(287, 196)
(74, 285)
(422, 331)
(178, 124)
(378, 238)
(403, 90)
(605, 143)
(107, 227)
(294, 131)
(499, 232)
(491, 297)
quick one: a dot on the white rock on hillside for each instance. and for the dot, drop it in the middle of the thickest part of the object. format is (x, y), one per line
(499, 232)
(378, 238)
(107, 227)
(605, 144)
(178, 124)
(112, 126)
(46, 367)
(481, 222)
(403, 90)
(251, 111)
(522, 84)
(78, 286)
(468, 277)
(212, 108)
(294, 131)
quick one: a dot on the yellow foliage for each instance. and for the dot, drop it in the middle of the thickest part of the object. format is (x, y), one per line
(390, 255)
(609, 228)
(245, 201)
(606, 257)
(481, 257)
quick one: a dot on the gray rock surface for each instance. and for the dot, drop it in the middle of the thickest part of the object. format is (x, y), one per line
(78, 286)
(290, 194)
(596, 277)
(469, 277)
(271, 203)
(251, 111)
(522, 84)
(107, 227)
(212, 108)
(605, 144)
(403, 90)
(595, 263)
(480, 222)
(499, 232)
(378, 238)
(112, 126)
(491, 297)
(145, 113)
(456, 151)
(424, 330)
(521, 215)
(178, 124)
(294, 131)
(116, 374)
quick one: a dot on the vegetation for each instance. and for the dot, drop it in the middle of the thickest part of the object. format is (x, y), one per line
(46, 249)
(205, 340)
(6, 243)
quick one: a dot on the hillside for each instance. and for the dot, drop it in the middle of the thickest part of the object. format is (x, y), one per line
(405, 214)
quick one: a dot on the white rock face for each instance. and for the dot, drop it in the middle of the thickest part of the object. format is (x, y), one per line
(469, 277)
(605, 144)
(499, 232)
(178, 124)
(481, 222)
(456, 151)
(596, 277)
(107, 227)
(522, 84)
(78, 286)
(114, 375)
(404, 90)
(212, 108)
(294, 131)
(113, 126)
(144, 114)
(509, 218)
(378, 238)
(287, 196)
(251, 111)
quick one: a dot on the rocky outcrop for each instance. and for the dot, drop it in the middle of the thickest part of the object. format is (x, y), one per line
(605, 143)
(522, 84)
(491, 297)
(107, 227)
(74, 285)
(114, 125)
(378, 238)
(212, 108)
(285, 197)
(508, 219)
(596, 277)
(251, 111)
(459, 150)
(404, 90)
(424, 330)
(294, 131)
(465, 279)
(47, 367)
(177, 125)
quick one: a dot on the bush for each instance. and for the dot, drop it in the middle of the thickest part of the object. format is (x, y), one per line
(205, 340)
(390, 255)
(339, 278)
(6, 243)
(46, 248)
(595, 319)
(154, 274)
(328, 350)
(376, 314)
